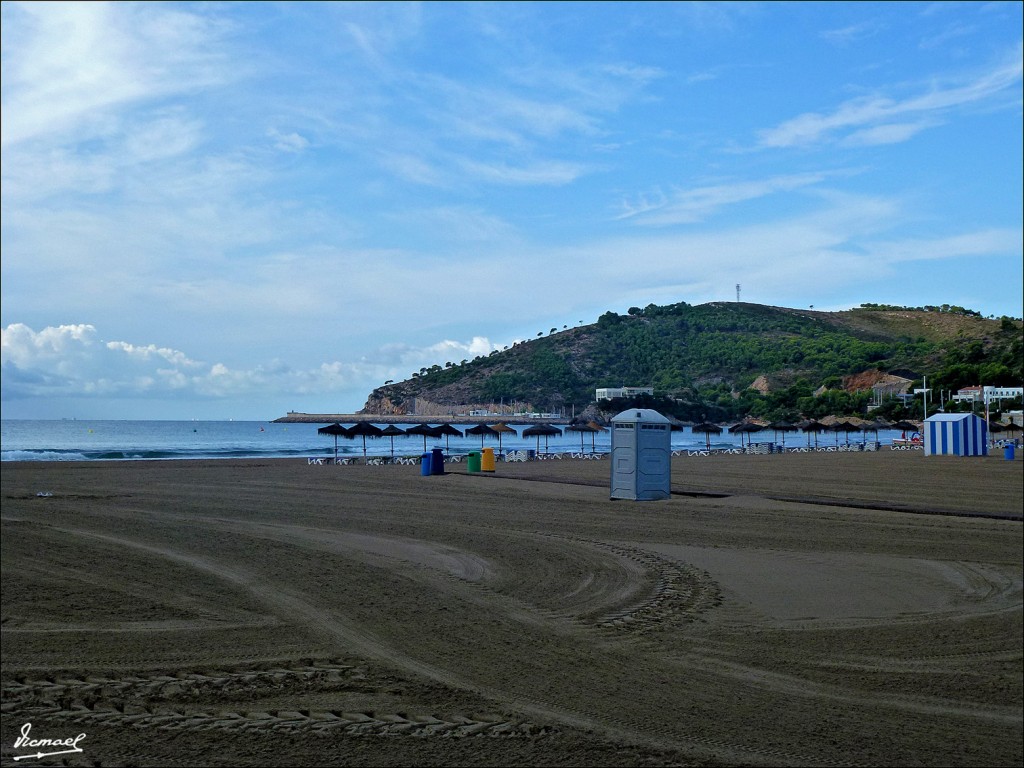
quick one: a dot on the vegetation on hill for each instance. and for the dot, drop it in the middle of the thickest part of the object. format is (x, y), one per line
(701, 360)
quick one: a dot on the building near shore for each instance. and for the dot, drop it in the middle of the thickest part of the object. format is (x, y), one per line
(955, 434)
(979, 394)
(609, 393)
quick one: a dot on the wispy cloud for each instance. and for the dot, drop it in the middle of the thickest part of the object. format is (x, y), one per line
(890, 133)
(951, 32)
(852, 33)
(688, 206)
(545, 173)
(982, 243)
(109, 55)
(288, 142)
(876, 113)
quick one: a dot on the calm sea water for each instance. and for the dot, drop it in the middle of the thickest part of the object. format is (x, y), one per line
(136, 440)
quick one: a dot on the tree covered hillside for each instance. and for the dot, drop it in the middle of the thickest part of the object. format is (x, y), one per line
(704, 358)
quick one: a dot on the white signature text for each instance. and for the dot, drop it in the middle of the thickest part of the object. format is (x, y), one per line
(69, 744)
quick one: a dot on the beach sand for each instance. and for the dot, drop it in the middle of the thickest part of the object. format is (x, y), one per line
(806, 609)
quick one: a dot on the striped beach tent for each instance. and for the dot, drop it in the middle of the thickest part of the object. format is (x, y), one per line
(955, 434)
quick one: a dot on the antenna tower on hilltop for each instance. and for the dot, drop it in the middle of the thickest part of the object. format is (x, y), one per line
(737, 292)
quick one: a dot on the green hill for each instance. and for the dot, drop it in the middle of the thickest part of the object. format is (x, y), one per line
(701, 360)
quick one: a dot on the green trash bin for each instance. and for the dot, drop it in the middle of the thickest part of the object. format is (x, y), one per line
(473, 461)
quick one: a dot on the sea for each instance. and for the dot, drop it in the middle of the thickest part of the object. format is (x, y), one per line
(80, 440)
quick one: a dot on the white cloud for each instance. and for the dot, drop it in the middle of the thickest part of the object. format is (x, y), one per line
(288, 142)
(891, 133)
(150, 351)
(159, 136)
(553, 173)
(414, 168)
(71, 63)
(852, 33)
(951, 32)
(866, 112)
(687, 206)
(68, 361)
(986, 242)
(19, 344)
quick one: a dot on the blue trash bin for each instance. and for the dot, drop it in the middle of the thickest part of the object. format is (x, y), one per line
(425, 464)
(437, 462)
(1008, 453)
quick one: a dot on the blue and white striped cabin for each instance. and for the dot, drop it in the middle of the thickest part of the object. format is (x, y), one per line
(955, 434)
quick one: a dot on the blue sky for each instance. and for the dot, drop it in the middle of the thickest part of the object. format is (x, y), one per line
(231, 210)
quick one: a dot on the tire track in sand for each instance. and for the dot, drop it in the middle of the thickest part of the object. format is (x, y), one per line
(324, 623)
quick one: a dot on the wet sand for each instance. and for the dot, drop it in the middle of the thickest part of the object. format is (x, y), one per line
(806, 609)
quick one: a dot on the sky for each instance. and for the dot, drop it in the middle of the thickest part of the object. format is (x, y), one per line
(234, 210)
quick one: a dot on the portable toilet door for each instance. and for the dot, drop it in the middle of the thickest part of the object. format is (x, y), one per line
(641, 455)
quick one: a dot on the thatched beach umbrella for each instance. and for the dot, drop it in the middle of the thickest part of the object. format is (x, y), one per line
(708, 429)
(598, 427)
(593, 429)
(334, 429)
(674, 424)
(448, 431)
(538, 430)
(745, 428)
(363, 429)
(844, 426)
(783, 427)
(875, 426)
(423, 429)
(503, 429)
(392, 431)
(481, 429)
(810, 425)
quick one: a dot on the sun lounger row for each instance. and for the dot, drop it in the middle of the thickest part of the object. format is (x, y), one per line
(523, 455)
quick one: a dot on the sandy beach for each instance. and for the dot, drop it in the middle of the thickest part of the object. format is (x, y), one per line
(805, 609)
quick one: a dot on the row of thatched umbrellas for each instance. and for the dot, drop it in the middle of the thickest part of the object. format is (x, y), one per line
(365, 429)
(809, 426)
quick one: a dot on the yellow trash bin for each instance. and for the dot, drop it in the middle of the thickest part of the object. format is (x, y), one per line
(487, 460)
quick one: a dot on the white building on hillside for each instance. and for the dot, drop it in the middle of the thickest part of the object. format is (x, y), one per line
(607, 393)
(979, 394)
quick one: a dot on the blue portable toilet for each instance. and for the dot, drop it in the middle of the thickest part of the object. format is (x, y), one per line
(641, 455)
(955, 434)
